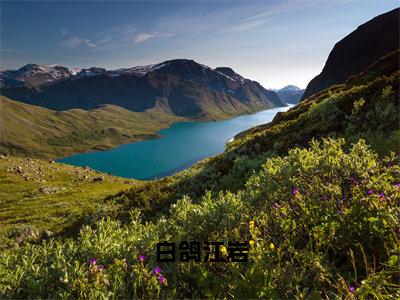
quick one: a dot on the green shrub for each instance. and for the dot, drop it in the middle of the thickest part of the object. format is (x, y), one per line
(322, 221)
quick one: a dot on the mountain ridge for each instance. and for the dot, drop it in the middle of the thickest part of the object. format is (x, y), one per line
(182, 87)
(358, 50)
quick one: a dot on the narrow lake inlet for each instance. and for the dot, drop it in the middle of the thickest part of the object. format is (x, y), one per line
(182, 145)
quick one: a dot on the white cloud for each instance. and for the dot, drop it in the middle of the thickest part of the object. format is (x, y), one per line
(76, 41)
(144, 37)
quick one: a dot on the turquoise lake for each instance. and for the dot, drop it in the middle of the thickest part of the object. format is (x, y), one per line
(182, 145)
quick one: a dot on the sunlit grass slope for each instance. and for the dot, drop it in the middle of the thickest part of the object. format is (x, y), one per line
(38, 196)
(35, 131)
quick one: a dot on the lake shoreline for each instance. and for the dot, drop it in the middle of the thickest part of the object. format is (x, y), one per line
(176, 147)
(148, 136)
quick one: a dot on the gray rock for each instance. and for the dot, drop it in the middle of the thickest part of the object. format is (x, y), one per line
(27, 235)
(47, 190)
(98, 179)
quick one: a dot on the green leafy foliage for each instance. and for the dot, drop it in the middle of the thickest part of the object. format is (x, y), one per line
(320, 220)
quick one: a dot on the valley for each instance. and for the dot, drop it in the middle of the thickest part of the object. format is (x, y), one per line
(312, 191)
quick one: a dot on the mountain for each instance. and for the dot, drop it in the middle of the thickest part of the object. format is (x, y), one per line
(34, 75)
(180, 87)
(290, 94)
(358, 50)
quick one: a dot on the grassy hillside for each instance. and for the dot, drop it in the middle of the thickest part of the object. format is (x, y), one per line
(40, 198)
(35, 131)
(315, 193)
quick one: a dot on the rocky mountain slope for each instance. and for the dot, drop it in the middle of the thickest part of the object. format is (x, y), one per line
(290, 94)
(358, 50)
(179, 87)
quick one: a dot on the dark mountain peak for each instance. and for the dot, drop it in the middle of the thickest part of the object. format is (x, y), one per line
(180, 64)
(180, 86)
(229, 73)
(180, 61)
(358, 50)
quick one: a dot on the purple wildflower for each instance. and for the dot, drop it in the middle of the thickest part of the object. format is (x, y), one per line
(353, 180)
(92, 261)
(340, 212)
(295, 191)
(352, 289)
(324, 197)
(142, 258)
(157, 270)
(275, 205)
(162, 279)
(370, 192)
(100, 268)
(382, 196)
(397, 184)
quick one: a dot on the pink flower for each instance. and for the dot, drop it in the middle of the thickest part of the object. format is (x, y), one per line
(142, 258)
(295, 191)
(352, 289)
(162, 279)
(157, 270)
(382, 196)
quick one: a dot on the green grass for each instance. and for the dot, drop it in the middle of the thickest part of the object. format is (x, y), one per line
(49, 196)
(36, 131)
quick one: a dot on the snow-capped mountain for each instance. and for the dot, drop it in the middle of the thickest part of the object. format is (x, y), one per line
(181, 86)
(35, 75)
(289, 88)
(290, 94)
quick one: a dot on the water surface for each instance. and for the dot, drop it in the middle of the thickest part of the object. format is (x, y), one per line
(182, 145)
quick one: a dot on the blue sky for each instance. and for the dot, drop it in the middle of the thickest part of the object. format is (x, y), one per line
(274, 42)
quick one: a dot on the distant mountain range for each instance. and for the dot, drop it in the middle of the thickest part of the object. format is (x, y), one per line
(290, 94)
(180, 87)
(358, 50)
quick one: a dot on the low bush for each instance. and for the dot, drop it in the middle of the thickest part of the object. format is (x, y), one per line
(320, 222)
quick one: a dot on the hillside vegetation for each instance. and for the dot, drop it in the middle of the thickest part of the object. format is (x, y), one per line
(39, 199)
(36, 131)
(315, 193)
